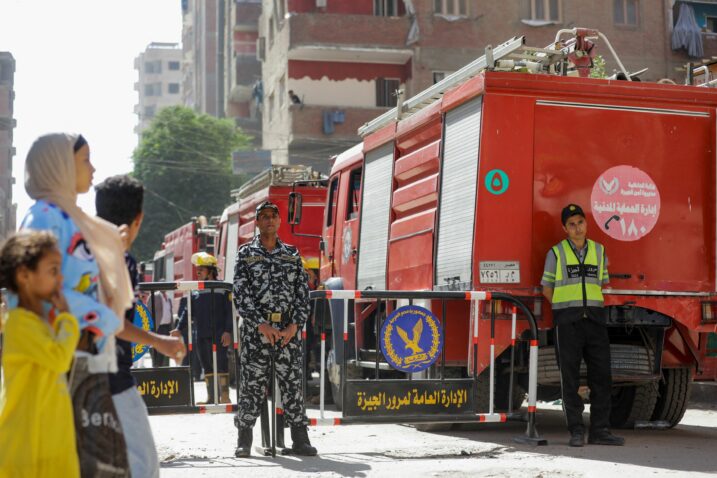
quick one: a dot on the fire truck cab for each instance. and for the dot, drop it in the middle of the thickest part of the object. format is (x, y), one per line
(237, 224)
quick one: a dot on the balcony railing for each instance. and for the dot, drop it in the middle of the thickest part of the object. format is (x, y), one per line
(312, 121)
(356, 30)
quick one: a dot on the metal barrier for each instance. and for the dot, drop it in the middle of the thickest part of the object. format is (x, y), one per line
(177, 379)
(426, 391)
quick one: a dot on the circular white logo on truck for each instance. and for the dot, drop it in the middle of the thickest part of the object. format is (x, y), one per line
(625, 203)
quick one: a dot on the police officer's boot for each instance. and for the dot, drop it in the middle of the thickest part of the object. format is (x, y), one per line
(224, 388)
(244, 443)
(209, 381)
(300, 444)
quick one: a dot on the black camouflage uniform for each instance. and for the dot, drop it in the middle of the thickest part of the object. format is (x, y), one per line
(267, 282)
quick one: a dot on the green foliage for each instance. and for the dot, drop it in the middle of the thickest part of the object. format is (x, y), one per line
(598, 69)
(184, 161)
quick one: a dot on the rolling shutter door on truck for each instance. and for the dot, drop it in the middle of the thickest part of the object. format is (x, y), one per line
(231, 254)
(375, 210)
(459, 172)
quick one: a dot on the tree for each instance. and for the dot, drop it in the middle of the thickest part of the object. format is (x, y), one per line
(184, 161)
(598, 69)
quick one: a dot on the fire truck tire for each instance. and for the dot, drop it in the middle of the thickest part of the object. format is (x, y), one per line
(632, 403)
(353, 372)
(674, 393)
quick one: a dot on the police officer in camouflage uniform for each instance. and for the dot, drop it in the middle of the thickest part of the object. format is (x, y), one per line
(272, 296)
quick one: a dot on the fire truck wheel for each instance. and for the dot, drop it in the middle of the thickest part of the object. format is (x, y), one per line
(632, 403)
(674, 393)
(353, 372)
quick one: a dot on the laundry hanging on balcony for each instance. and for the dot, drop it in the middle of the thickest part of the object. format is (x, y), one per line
(686, 33)
(332, 117)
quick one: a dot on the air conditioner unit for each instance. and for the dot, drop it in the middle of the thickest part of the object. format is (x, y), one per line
(321, 3)
(261, 48)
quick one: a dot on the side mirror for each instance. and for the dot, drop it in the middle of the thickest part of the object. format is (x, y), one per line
(295, 201)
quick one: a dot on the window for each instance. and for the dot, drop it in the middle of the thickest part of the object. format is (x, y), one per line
(173, 88)
(546, 10)
(282, 93)
(173, 65)
(154, 66)
(333, 197)
(711, 24)
(153, 89)
(386, 91)
(439, 75)
(450, 7)
(354, 199)
(149, 112)
(385, 8)
(280, 9)
(626, 12)
(270, 106)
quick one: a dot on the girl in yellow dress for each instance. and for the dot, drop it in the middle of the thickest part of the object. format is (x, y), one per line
(37, 431)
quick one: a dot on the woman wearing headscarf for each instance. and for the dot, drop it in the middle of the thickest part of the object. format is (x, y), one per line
(96, 283)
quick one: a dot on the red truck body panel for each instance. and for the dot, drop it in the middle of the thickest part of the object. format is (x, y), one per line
(558, 140)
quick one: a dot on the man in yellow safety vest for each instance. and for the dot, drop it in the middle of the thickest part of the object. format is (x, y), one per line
(575, 270)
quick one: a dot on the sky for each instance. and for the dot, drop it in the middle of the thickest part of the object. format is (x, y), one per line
(74, 71)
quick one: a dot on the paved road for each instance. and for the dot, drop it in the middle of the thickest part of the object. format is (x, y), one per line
(203, 445)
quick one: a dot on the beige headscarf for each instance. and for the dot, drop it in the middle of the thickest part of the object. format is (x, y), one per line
(50, 176)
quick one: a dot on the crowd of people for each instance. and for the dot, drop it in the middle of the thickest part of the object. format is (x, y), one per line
(69, 404)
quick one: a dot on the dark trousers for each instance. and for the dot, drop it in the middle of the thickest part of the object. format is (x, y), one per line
(585, 339)
(159, 360)
(204, 345)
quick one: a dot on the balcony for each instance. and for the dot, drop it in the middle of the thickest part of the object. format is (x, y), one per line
(336, 31)
(307, 122)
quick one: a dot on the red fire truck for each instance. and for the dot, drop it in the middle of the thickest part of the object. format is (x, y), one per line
(173, 261)
(237, 225)
(461, 186)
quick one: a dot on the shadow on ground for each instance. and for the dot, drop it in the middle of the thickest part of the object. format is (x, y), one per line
(675, 449)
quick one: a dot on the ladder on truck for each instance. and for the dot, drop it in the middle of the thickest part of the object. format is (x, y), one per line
(277, 175)
(513, 55)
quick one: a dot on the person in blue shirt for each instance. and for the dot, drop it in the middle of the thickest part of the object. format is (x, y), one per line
(95, 283)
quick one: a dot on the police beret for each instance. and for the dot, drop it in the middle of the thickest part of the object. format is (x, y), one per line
(265, 205)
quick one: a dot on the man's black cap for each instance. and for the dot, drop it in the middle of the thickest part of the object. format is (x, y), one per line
(569, 211)
(265, 205)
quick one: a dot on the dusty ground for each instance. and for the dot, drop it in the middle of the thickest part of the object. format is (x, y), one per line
(203, 445)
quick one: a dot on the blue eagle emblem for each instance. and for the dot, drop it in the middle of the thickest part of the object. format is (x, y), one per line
(411, 339)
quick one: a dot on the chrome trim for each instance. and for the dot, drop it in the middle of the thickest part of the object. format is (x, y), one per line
(636, 109)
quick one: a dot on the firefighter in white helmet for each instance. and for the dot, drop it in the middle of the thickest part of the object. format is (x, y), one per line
(212, 319)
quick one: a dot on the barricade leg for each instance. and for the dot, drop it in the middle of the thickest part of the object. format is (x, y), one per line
(265, 433)
(272, 420)
(531, 436)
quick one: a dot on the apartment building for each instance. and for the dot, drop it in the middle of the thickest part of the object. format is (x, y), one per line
(343, 60)
(159, 70)
(8, 210)
(242, 79)
(200, 77)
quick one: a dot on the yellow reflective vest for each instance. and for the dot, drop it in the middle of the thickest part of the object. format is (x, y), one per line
(578, 284)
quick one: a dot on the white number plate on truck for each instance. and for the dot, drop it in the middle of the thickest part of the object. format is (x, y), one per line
(499, 272)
